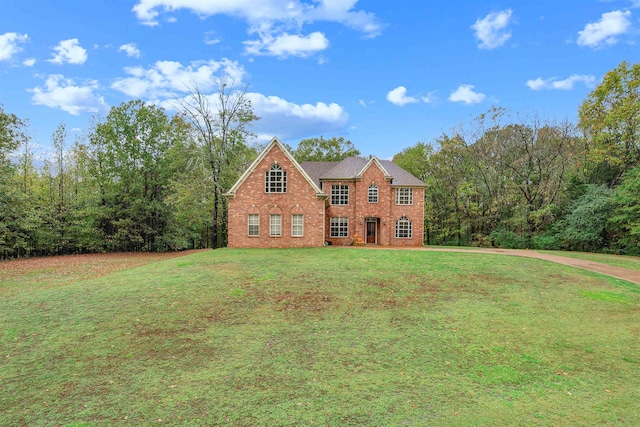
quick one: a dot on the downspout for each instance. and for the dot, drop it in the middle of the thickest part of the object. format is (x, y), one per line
(324, 222)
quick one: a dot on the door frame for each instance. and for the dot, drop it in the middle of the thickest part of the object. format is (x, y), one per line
(373, 221)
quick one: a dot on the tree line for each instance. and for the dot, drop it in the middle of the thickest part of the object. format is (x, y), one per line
(143, 180)
(525, 182)
(139, 180)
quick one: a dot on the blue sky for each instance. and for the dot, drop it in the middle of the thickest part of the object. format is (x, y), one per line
(383, 74)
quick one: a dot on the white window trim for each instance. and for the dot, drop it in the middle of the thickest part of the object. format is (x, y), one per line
(409, 196)
(339, 226)
(408, 227)
(340, 188)
(249, 225)
(272, 225)
(369, 193)
(293, 225)
(271, 176)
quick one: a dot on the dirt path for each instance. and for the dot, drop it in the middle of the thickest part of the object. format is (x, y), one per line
(610, 270)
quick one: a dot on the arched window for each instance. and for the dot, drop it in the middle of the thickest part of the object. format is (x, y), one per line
(275, 180)
(403, 228)
(373, 193)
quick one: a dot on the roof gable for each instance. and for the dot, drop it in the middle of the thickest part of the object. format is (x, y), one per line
(274, 143)
(372, 161)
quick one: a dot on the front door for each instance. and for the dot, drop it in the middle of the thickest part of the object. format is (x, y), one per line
(371, 231)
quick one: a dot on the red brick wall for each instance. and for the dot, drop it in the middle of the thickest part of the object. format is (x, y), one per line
(252, 198)
(343, 211)
(414, 213)
(385, 210)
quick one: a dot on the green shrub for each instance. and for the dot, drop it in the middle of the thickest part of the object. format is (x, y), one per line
(546, 241)
(507, 239)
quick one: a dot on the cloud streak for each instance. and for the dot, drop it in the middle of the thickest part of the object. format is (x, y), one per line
(566, 84)
(285, 45)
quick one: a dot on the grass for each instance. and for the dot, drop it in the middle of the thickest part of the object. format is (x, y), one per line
(325, 336)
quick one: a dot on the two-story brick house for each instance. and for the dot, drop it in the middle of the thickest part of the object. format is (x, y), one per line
(278, 202)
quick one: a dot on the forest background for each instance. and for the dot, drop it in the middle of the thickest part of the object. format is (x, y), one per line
(142, 180)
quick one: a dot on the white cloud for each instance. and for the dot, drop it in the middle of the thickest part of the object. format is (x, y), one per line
(263, 14)
(130, 49)
(69, 51)
(492, 30)
(278, 23)
(606, 30)
(398, 96)
(293, 121)
(64, 94)
(167, 79)
(286, 44)
(465, 93)
(9, 44)
(566, 84)
(282, 118)
(29, 62)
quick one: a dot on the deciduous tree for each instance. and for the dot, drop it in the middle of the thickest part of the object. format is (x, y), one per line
(333, 149)
(132, 168)
(610, 117)
(220, 126)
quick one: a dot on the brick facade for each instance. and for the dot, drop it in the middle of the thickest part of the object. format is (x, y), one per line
(374, 223)
(383, 214)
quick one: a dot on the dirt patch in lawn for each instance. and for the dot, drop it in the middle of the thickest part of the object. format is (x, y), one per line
(309, 301)
(72, 268)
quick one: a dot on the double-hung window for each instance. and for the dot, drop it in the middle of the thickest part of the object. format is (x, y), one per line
(275, 225)
(297, 225)
(254, 224)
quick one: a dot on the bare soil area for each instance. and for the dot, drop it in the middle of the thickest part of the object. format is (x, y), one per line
(79, 267)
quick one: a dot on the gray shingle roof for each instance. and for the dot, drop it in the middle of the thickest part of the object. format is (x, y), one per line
(346, 169)
(401, 176)
(350, 168)
(317, 169)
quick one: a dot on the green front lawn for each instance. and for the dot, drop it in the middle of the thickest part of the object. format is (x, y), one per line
(325, 336)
